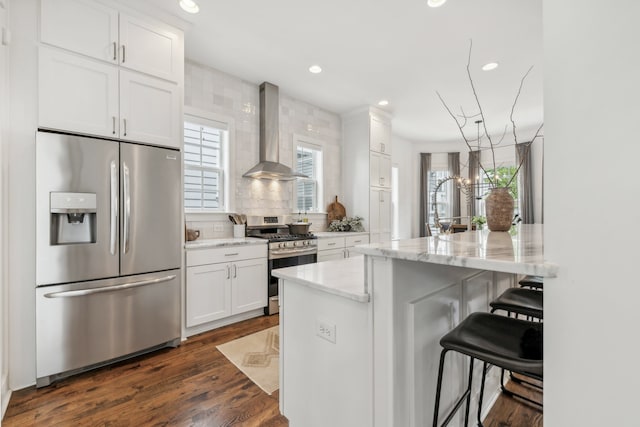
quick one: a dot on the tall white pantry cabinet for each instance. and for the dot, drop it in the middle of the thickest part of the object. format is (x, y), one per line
(111, 73)
(366, 170)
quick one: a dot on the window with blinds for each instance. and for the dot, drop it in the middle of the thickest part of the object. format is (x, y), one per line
(308, 162)
(203, 166)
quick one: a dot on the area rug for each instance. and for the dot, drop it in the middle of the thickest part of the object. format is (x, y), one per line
(257, 356)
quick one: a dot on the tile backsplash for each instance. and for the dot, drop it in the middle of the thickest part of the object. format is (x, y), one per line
(214, 91)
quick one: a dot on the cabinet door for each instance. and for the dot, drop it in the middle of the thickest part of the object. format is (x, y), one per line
(331, 254)
(151, 47)
(208, 292)
(374, 169)
(384, 171)
(83, 26)
(384, 216)
(380, 136)
(441, 311)
(77, 94)
(149, 110)
(374, 215)
(249, 285)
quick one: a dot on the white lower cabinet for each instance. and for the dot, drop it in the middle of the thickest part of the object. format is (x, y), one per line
(331, 248)
(208, 293)
(222, 282)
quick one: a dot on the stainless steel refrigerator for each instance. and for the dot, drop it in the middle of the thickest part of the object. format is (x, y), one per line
(108, 251)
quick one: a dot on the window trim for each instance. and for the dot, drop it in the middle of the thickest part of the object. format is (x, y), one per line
(219, 121)
(312, 144)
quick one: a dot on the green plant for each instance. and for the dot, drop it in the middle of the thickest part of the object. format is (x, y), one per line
(347, 224)
(479, 220)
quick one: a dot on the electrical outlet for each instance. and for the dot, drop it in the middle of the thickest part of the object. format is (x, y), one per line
(218, 227)
(326, 330)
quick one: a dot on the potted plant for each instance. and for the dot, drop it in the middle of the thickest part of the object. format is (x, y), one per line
(499, 202)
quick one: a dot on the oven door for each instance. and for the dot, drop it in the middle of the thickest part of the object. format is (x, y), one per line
(272, 307)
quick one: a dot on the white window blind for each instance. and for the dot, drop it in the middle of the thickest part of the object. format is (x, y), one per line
(308, 162)
(203, 166)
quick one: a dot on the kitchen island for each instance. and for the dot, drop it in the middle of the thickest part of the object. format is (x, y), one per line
(373, 361)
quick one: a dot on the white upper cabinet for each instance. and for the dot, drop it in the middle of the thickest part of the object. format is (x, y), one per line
(108, 73)
(379, 170)
(77, 94)
(93, 29)
(151, 48)
(149, 109)
(82, 26)
(380, 138)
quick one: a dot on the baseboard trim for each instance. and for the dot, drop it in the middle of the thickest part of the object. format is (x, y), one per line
(223, 322)
(5, 393)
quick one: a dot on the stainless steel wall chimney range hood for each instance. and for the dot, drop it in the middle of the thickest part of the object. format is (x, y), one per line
(270, 166)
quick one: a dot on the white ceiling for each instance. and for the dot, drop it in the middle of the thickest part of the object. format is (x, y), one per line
(400, 50)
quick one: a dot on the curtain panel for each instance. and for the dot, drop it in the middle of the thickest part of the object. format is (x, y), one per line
(474, 173)
(525, 185)
(425, 203)
(453, 160)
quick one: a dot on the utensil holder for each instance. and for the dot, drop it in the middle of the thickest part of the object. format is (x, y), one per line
(238, 230)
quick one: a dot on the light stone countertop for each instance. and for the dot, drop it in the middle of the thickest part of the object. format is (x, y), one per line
(344, 277)
(520, 252)
(217, 243)
(322, 234)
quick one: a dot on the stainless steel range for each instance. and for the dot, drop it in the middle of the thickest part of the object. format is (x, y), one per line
(285, 250)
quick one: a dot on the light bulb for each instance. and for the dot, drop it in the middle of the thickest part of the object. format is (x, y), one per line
(189, 6)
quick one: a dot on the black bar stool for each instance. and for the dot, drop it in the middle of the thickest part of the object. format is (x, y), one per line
(533, 282)
(519, 301)
(501, 341)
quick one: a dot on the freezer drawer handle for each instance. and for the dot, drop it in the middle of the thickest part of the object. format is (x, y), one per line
(114, 208)
(127, 206)
(84, 292)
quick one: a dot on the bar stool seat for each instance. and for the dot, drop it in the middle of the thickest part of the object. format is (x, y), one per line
(505, 342)
(520, 301)
(533, 282)
(498, 340)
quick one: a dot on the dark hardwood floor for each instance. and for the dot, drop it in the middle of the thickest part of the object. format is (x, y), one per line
(192, 385)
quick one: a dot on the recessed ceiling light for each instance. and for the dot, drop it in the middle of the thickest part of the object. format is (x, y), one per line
(315, 69)
(436, 3)
(189, 6)
(383, 102)
(490, 66)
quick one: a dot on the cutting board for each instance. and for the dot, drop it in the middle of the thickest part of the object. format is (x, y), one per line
(335, 211)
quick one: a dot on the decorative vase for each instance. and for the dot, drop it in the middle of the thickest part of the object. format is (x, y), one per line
(499, 207)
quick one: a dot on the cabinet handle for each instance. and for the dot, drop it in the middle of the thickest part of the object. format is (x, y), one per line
(346, 253)
(123, 54)
(357, 241)
(331, 244)
(381, 144)
(113, 124)
(125, 126)
(233, 254)
(115, 51)
(235, 271)
(381, 197)
(228, 272)
(381, 181)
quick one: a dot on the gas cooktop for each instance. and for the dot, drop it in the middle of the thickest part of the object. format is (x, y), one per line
(284, 237)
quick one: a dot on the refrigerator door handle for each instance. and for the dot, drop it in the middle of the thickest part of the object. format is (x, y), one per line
(127, 206)
(84, 292)
(114, 209)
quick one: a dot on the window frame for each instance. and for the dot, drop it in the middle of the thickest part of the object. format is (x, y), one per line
(318, 178)
(226, 124)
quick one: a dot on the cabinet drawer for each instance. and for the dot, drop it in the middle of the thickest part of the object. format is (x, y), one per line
(225, 254)
(330, 243)
(356, 240)
(330, 254)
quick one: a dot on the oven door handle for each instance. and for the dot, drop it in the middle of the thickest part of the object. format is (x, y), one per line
(289, 254)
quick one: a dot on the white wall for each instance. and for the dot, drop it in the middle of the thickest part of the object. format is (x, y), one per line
(211, 90)
(5, 392)
(401, 158)
(591, 93)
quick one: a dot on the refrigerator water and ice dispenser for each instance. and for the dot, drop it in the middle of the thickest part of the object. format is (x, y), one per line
(73, 218)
